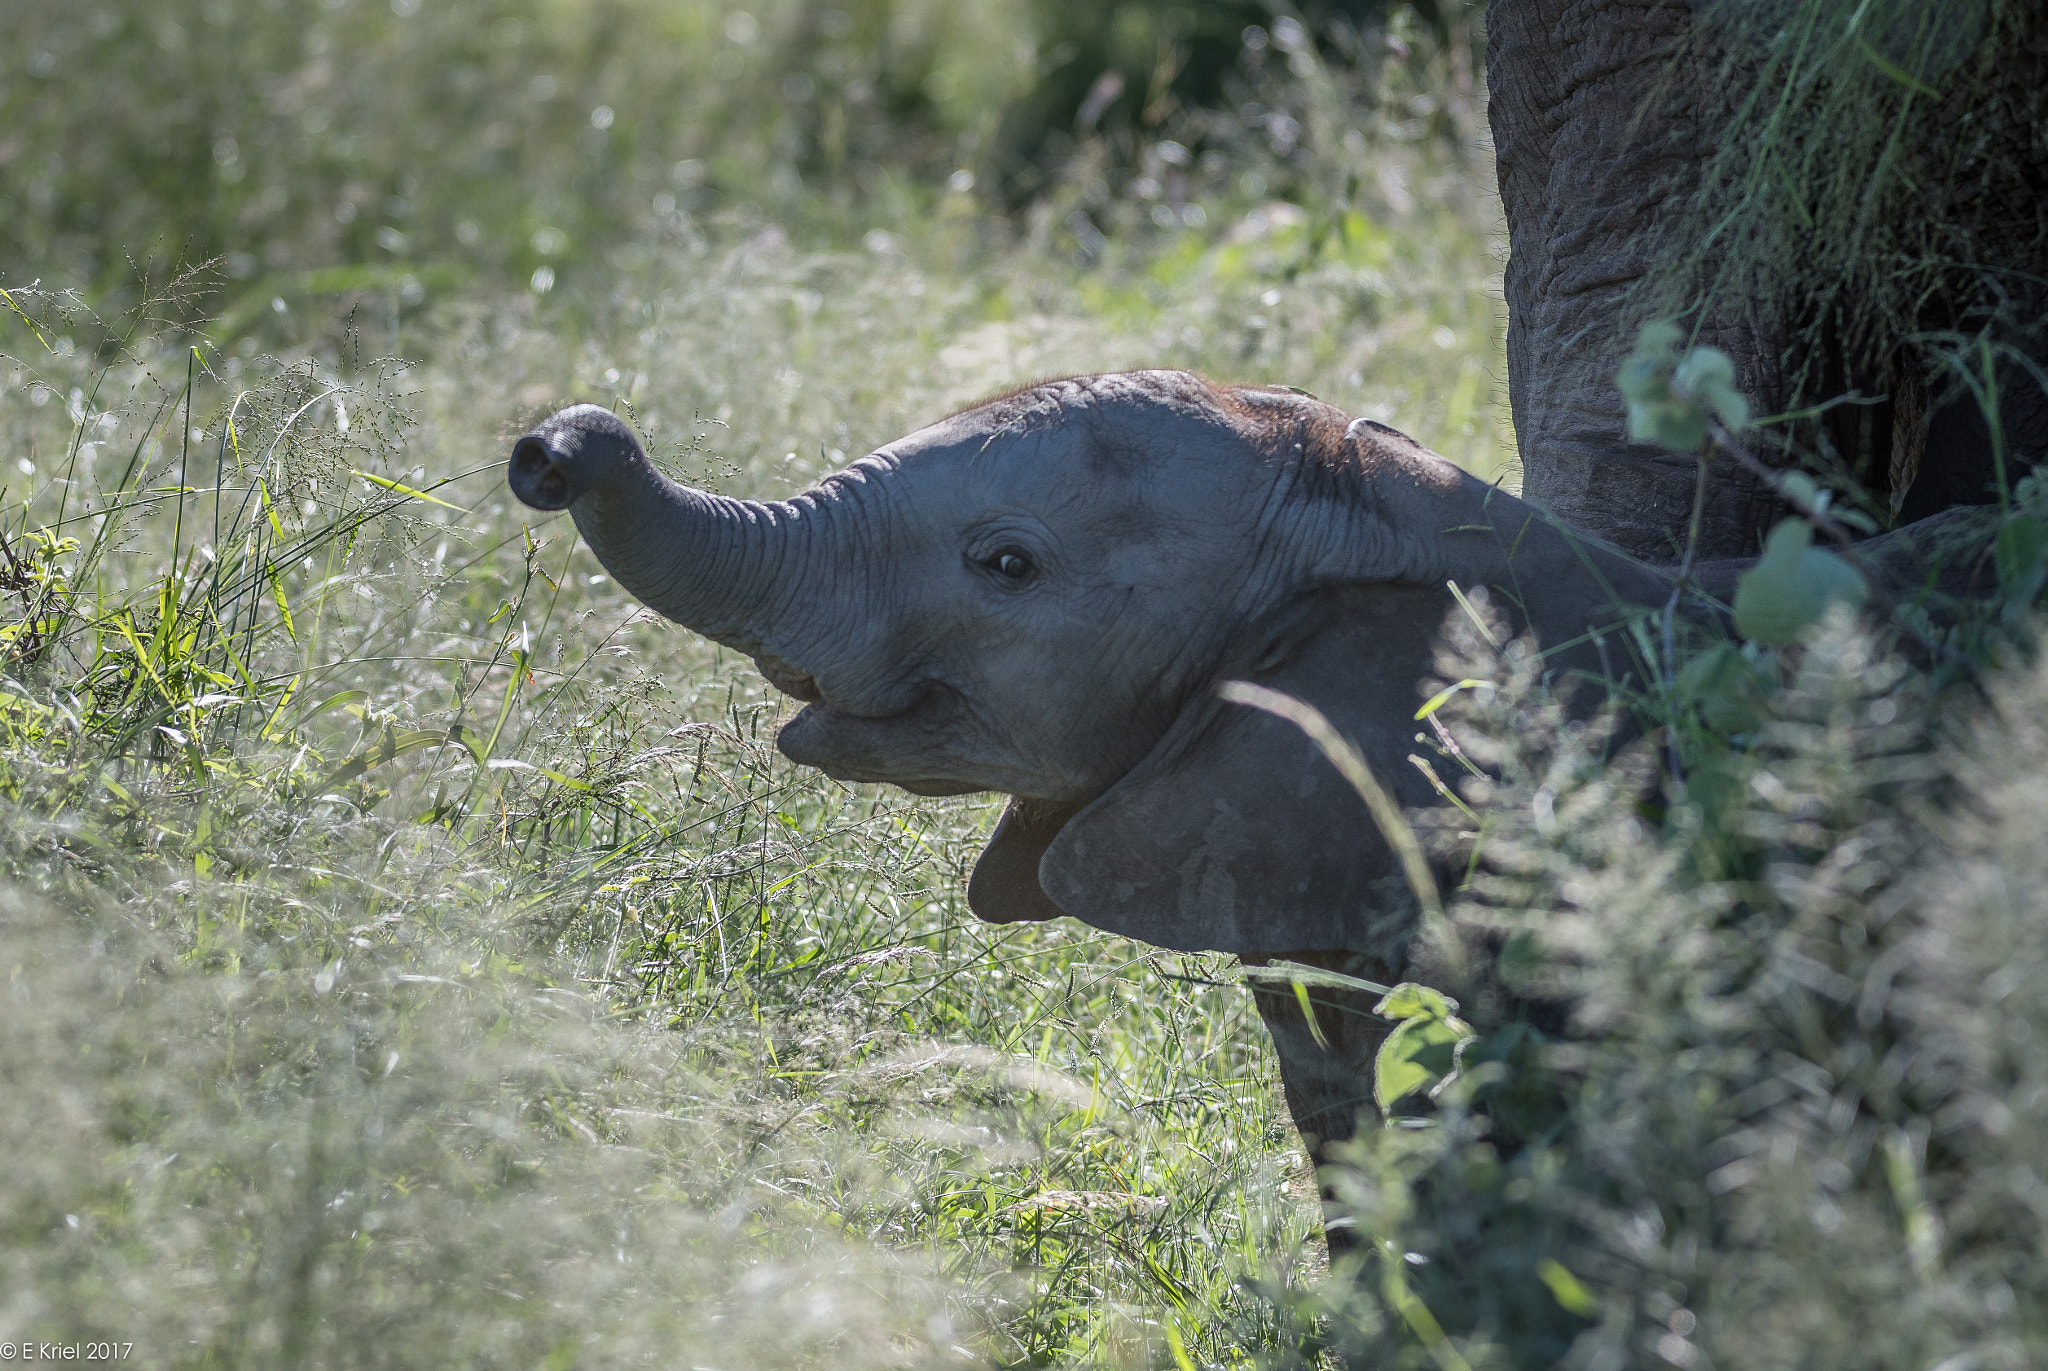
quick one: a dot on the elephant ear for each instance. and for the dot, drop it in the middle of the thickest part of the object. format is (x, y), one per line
(1234, 834)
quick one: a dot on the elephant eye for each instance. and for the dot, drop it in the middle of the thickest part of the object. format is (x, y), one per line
(1010, 563)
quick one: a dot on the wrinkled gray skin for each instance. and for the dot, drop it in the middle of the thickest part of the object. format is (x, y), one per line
(1039, 597)
(1599, 134)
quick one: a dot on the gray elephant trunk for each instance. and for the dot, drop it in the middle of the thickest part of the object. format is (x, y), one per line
(708, 562)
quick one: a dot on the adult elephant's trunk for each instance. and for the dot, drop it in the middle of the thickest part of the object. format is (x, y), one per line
(720, 566)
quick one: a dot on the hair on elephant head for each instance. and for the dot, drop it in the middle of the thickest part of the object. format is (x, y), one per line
(1040, 595)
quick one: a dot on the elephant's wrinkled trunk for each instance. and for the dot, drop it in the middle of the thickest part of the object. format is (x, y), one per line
(713, 564)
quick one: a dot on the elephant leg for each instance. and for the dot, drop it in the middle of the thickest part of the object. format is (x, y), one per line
(1597, 135)
(1326, 1071)
(1607, 116)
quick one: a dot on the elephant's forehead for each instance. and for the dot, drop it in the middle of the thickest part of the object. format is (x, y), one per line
(1135, 443)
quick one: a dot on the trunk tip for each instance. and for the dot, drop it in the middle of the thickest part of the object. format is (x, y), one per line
(536, 477)
(567, 454)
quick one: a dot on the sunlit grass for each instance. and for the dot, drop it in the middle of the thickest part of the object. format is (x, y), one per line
(380, 804)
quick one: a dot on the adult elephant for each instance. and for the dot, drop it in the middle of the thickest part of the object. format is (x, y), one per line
(1849, 200)
(1040, 596)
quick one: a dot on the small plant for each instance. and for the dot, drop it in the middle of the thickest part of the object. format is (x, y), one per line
(1688, 401)
(1674, 397)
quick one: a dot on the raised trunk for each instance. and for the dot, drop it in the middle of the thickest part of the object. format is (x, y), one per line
(719, 566)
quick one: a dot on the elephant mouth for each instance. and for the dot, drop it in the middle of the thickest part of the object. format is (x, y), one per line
(875, 706)
(799, 685)
(886, 748)
(869, 741)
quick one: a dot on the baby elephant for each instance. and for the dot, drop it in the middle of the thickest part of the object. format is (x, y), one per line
(1040, 596)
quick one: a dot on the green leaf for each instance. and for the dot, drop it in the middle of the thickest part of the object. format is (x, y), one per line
(1727, 688)
(1178, 1346)
(1672, 400)
(1169, 1284)
(1424, 1050)
(1801, 492)
(284, 607)
(1815, 501)
(1308, 1014)
(341, 699)
(392, 744)
(40, 338)
(1411, 1001)
(270, 510)
(1568, 1289)
(399, 489)
(1442, 697)
(1707, 377)
(1792, 585)
(469, 738)
(1659, 337)
(1418, 1056)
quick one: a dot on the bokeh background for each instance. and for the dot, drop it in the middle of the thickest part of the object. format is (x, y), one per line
(410, 159)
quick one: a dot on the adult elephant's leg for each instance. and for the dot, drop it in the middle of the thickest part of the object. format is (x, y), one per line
(1597, 135)
(1607, 117)
(1326, 1071)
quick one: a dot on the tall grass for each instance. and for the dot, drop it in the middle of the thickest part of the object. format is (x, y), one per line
(1834, 189)
(438, 940)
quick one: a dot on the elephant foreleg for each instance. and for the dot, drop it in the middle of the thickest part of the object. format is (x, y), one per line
(1326, 1070)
